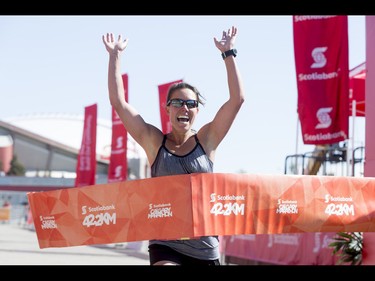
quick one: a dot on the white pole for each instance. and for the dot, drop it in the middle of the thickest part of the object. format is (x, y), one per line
(354, 107)
(297, 133)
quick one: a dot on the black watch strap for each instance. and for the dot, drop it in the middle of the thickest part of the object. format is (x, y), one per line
(231, 52)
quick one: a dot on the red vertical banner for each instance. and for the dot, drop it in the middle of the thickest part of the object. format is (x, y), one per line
(322, 69)
(118, 164)
(86, 162)
(163, 92)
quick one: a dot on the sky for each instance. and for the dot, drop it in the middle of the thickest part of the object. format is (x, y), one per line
(58, 64)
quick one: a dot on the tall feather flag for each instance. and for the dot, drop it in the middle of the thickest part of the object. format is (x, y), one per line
(322, 62)
(86, 162)
(118, 163)
(163, 92)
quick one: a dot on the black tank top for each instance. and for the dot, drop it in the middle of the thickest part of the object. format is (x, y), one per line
(196, 161)
(168, 163)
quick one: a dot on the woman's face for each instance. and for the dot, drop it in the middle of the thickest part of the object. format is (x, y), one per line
(182, 114)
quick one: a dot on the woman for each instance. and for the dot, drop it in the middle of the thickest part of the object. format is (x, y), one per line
(183, 150)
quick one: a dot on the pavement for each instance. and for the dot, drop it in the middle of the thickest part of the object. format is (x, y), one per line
(19, 246)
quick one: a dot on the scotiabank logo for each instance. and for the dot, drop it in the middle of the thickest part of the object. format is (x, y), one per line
(323, 117)
(221, 206)
(120, 142)
(319, 58)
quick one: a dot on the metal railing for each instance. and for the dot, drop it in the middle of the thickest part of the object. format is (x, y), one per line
(326, 160)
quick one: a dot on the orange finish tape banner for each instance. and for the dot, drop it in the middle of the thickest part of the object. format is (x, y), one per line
(186, 206)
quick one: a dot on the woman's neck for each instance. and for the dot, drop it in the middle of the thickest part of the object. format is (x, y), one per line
(178, 139)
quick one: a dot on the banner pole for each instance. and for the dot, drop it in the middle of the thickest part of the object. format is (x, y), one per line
(354, 113)
(297, 132)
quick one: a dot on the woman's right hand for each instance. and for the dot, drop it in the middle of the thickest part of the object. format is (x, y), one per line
(113, 46)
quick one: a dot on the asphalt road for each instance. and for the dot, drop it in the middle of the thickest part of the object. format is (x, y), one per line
(19, 246)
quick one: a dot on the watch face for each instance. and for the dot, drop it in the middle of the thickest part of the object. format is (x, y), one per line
(232, 52)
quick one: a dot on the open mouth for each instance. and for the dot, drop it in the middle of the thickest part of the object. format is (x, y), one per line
(183, 119)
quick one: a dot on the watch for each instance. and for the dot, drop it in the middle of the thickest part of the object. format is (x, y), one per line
(231, 52)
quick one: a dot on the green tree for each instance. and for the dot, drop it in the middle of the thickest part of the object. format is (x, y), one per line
(348, 246)
(16, 168)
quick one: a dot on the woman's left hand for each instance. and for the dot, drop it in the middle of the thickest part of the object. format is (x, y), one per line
(227, 40)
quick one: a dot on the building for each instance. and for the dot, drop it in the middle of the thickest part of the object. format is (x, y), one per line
(47, 145)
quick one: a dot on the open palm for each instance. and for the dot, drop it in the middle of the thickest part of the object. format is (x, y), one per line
(227, 40)
(113, 46)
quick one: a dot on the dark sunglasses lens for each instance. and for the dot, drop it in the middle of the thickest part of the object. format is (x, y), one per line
(191, 103)
(180, 103)
(177, 103)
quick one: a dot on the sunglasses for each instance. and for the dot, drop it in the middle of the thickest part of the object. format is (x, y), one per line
(179, 103)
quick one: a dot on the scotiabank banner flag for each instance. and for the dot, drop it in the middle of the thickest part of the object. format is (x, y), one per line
(321, 57)
(163, 92)
(118, 165)
(86, 162)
